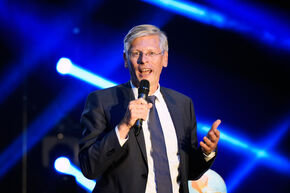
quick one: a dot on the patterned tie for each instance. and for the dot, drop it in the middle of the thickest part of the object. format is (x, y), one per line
(161, 166)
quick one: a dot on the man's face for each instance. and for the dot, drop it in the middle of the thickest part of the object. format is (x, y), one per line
(148, 62)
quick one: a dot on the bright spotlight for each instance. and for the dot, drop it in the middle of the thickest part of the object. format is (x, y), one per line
(64, 65)
(62, 164)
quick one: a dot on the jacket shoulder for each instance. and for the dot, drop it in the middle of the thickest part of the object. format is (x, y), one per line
(109, 91)
(174, 93)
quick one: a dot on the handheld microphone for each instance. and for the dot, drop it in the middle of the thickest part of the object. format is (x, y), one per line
(143, 92)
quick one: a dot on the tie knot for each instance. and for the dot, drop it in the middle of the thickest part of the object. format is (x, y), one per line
(152, 99)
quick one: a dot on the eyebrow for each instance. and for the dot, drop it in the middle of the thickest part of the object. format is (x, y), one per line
(144, 50)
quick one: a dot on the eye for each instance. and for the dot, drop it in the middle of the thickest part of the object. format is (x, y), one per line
(135, 54)
(150, 53)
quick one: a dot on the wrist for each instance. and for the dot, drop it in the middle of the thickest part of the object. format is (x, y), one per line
(124, 129)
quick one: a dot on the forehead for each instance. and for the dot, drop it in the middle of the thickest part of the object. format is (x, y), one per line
(146, 42)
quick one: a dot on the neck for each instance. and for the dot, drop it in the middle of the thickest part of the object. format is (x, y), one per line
(153, 89)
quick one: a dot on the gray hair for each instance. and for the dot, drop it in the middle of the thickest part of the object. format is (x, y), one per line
(145, 30)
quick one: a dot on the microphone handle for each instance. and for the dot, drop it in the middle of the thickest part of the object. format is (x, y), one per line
(138, 124)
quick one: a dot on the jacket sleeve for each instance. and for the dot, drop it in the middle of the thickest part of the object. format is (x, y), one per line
(197, 164)
(99, 146)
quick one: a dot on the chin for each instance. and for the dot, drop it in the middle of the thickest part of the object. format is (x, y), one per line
(142, 78)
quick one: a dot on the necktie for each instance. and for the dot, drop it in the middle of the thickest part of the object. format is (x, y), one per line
(159, 155)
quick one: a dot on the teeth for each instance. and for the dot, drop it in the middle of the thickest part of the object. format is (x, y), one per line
(145, 70)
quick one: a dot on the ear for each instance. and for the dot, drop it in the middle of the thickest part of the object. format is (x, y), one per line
(125, 60)
(165, 59)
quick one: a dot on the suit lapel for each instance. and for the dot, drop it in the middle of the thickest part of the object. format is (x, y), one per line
(141, 143)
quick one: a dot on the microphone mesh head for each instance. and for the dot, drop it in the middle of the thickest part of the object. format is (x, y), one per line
(144, 87)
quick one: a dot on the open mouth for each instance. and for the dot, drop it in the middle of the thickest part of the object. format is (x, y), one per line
(145, 71)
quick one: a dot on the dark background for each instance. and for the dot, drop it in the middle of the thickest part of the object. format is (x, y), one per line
(233, 75)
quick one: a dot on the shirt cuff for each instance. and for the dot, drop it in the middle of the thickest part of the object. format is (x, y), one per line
(121, 141)
(209, 156)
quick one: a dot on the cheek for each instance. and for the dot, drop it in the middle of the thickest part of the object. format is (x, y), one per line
(133, 67)
(158, 69)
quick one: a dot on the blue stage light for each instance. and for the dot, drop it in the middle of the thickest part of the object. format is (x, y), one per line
(51, 116)
(235, 16)
(237, 143)
(65, 66)
(63, 165)
(193, 11)
(234, 141)
(240, 173)
(30, 27)
(277, 162)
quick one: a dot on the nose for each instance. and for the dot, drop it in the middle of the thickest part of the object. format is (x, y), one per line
(143, 58)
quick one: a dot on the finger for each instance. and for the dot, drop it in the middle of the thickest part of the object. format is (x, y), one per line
(214, 127)
(141, 101)
(150, 105)
(139, 107)
(204, 147)
(140, 112)
(208, 142)
(216, 136)
(215, 124)
(143, 108)
(212, 145)
(217, 132)
(137, 102)
(212, 136)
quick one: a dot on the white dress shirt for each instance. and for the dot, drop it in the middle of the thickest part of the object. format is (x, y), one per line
(170, 142)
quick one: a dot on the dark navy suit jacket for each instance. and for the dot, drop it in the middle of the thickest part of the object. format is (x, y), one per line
(124, 169)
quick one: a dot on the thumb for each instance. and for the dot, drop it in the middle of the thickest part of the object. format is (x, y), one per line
(150, 105)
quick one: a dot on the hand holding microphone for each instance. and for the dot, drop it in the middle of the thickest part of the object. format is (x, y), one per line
(137, 111)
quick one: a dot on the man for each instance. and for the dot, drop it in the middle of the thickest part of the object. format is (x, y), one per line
(121, 160)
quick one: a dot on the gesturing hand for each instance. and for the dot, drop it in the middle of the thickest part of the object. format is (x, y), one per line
(210, 141)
